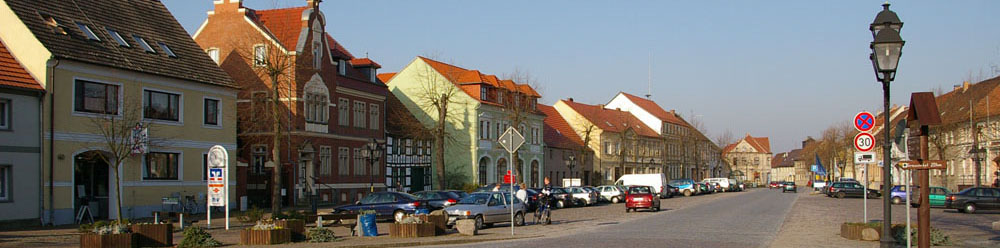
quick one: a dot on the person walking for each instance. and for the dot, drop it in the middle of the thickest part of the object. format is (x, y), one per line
(522, 194)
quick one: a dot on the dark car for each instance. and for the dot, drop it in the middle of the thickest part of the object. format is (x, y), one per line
(854, 189)
(561, 198)
(461, 194)
(789, 186)
(670, 191)
(641, 197)
(972, 199)
(937, 196)
(437, 199)
(387, 205)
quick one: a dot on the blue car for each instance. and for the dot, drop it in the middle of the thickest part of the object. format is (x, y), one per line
(685, 186)
(387, 205)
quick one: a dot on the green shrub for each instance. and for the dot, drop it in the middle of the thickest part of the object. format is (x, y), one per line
(469, 188)
(197, 237)
(938, 238)
(320, 235)
(289, 215)
(251, 216)
(89, 228)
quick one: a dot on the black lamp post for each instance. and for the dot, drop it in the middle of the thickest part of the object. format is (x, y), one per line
(886, 48)
(570, 163)
(373, 153)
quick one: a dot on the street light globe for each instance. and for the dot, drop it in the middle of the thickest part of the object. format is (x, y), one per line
(887, 48)
(885, 19)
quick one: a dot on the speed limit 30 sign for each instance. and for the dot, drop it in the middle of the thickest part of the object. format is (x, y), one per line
(864, 142)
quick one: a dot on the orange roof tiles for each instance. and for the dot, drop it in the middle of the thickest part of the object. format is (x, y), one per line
(12, 73)
(761, 144)
(365, 62)
(465, 78)
(984, 96)
(285, 24)
(558, 133)
(385, 77)
(611, 120)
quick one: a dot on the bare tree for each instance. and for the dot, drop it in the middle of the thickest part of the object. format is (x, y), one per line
(439, 99)
(518, 106)
(123, 136)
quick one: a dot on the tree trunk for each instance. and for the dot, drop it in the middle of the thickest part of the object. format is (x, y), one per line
(439, 140)
(118, 192)
(275, 153)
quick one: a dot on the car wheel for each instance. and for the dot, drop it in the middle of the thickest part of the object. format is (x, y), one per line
(560, 204)
(840, 195)
(614, 200)
(896, 200)
(970, 208)
(687, 193)
(519, 219)
(479, 222)
(628, 210)
(398, 215)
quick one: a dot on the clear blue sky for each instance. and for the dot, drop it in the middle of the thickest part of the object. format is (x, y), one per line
(782, 69)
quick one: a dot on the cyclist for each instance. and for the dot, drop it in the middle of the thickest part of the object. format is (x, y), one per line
(544, 203)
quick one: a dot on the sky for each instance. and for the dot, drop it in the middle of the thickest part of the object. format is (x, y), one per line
(779, 69)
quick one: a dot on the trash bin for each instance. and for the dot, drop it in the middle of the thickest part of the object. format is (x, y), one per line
(422, 211)
(367, 222)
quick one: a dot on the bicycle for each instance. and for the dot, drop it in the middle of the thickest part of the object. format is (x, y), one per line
(543, 210)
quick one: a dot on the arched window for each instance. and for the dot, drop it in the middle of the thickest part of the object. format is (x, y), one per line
(533, 181)
(501, 169)
(317, 104)
(520, 170)
(483, 163)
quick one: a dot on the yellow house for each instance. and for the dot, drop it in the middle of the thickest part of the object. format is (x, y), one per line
(97, 66)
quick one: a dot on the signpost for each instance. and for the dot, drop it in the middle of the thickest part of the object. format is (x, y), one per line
(864, 142)
(511, 140)
(218, 182)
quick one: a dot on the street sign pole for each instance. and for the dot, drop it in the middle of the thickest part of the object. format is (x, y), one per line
(908, 237)
(865, 173)
(218, 180)
(511, 140)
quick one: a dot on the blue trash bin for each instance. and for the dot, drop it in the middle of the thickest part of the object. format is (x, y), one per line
(422, 211)
(368, 227)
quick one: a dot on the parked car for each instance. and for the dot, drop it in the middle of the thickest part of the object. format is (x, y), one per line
(387, 205)
(610, 193)
(898, 193)
(818, 185)
(583, 196)
(704, 188)
(789, 186)
(735, 185)
(972, 199)
(656, 181)
(561, 198)
(461, 194)
(775, 184)
(722, 182)
(845, 189)
(437, 199)
(937, 196)
(532, 199)
(487, 208)
(505, 187)
(671, 191)
(685, 186)
(642, 197)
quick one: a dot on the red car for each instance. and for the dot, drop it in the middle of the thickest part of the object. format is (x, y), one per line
(641, 197)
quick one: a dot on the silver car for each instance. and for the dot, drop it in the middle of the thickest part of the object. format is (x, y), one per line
(611, 193)
(487, 208)
(588, 198)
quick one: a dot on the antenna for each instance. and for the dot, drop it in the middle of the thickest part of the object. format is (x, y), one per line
(649, 82)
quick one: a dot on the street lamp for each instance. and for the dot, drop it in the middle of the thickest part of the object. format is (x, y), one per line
(570, 164)
(886, 47)
(372, 152)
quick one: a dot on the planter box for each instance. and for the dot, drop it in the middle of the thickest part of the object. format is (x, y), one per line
(264, 237)
(411, 230)
(297, 227)
(853, 231)
(440, 222)
(154, 235)
(90, 240)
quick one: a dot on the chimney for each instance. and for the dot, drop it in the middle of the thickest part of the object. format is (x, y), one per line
(619, 109)
(570, 99)
(673, 112)
(227, 5)
(600, 105)
(965, 86)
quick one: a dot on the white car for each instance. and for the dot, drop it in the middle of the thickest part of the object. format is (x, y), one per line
(657, 181)
(611, 193)
(723, 182)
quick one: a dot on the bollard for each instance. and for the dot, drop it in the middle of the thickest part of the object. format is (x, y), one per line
(319, 221)
(156, 217)
(182, 220)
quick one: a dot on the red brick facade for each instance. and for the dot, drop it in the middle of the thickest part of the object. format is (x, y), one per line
(315, 133)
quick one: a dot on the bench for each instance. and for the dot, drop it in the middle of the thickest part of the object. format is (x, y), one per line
(168, 215)
(338, 220)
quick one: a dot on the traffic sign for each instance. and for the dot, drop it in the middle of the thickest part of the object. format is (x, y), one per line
(864, 157)
(216, 187)
(864, 121)
(864, 142)
(511, 140)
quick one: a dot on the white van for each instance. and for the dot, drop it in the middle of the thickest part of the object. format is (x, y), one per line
(657, 181)
(723, 182)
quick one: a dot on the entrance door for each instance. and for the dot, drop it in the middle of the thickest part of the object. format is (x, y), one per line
(417, 179)
(91, 177)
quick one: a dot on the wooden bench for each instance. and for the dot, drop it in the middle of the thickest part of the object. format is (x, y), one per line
(338, 220)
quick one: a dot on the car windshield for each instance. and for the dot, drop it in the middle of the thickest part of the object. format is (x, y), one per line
(678, 182)
(638, 190)
(475, 199)
(790, 183)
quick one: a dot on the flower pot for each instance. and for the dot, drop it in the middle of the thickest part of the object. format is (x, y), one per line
(264, 237)
(411, 230)
(92, 240)
(153, 235)
(440, 222)
(297, 228)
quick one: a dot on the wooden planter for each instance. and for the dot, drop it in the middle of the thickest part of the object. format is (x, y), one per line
(411, 230)
(91, 240)
(264, 237)
(440, 222)
(852, 232)
(297, 228)
(154, 235)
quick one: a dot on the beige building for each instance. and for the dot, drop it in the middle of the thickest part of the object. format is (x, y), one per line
(783, 166)
(750, 158)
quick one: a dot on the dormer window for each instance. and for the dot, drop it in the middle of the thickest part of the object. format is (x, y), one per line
(142, 43)
(483, 93)
(166, 49)
(118, 38)
(87, 31)
(371, 75)
(342, 67)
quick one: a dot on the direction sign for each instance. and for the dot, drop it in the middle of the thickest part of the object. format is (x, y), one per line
(511, 140)
(864, 142)
(864, 121)
(864, 157)
(923, 165)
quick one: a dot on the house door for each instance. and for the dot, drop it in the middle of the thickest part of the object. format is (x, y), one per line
(417, 179)
(91, 177)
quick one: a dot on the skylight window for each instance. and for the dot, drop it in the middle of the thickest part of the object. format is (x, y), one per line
(143, 44)
(86, 31)
(167, 50)
(118, 38)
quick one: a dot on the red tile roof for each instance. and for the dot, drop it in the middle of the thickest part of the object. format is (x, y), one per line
(385, 77)
(337, 50)
(285, 24)
(365, 62)
(761, 144)
(466, 79)
(785, 159)
(656, 110)
(611, 120)
(954, 105)
(557, 132)
(12, 73)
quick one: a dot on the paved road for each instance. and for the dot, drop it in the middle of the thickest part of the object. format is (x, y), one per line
(749, 219)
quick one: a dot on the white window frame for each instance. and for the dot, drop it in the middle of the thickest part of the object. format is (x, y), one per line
(317, 55)
(5, 115)
(142, 43)
(343, 111)
(342, 67)
(373, 116)
(317, 106)
(180, 166)
(180, 106)
(213, 53)
(359, 163)
(92, 114)
(166, 49)
(343, 161)
(326, 161)
(85, 29)
(218, 112)
(359, 114)
(259, 55)
(118, 37)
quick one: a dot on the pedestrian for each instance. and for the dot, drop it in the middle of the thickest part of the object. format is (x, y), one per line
(496, 188)
(522, 194)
